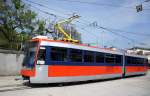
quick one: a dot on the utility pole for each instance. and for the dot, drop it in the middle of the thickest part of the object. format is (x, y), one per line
(102, 39)
(133, 44)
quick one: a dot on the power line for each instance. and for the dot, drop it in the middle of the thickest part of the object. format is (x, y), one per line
(46, 7)
(116, 30)
(116, 33)
(122, 31)
(93, 3)
(48, 13)
(41, 5)
(98, 4)
(133, 33)
(86, 30)
(98, 27)
(49, 7)
(132, 40)
(107, 29)
(94, 36)
(45, 12)
(110, 30)
(145, 1)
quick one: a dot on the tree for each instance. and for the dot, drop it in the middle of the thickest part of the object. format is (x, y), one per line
(17, 24)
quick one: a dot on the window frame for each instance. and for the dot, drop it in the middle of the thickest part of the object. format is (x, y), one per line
(99, 54)
(109, 56)
(71, 54)
(120, 59)
(65, 57)
(86, 53)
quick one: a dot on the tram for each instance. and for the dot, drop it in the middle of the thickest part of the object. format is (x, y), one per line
(54, 61)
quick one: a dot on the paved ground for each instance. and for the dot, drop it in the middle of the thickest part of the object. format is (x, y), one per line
(135, 86)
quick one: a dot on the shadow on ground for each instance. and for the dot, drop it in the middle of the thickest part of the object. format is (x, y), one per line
(62, 84)
(27, 85)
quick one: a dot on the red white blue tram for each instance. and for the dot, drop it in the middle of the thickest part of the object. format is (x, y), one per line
(51, 61)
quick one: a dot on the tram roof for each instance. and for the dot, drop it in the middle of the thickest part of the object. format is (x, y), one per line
(59, 43)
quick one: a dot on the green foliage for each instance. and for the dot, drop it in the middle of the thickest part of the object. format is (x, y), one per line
(41, 27)
(17, 4)
(17, 24)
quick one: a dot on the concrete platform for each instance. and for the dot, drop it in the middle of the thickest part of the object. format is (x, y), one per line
(133, 86)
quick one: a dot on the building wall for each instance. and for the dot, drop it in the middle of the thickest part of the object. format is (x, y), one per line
(10, 63)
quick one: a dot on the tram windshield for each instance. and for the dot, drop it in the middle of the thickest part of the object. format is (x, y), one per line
(30, 51)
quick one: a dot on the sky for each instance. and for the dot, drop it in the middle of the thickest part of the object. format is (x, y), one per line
(119, 15)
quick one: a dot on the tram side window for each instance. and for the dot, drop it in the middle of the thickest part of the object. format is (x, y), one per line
(99, 57)
(75, 55)
(143, 61)
(58, 54)
(88, 56)
(118, 58)
(129, 60)
(42, 53)
(134, 60)
(140, 60)
(109, 58)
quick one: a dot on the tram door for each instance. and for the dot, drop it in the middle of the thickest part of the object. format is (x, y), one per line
(41, 55)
